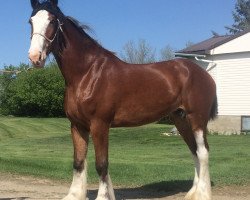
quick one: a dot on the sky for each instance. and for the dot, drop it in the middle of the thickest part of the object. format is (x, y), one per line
(115, 22)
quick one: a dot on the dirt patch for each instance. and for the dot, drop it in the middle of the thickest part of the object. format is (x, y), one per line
(14, 187)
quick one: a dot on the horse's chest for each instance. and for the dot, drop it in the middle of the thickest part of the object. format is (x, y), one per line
(77, 107)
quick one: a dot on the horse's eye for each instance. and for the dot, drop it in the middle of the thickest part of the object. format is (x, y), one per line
(52, 22)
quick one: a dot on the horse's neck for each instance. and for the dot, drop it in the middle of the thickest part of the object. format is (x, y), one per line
(78, 55)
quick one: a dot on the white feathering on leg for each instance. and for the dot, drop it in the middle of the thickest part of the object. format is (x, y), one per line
(106, 191)
(78, 189)
(196, 179)
(203, 190)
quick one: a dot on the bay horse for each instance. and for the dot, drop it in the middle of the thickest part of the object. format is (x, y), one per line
(101, 91)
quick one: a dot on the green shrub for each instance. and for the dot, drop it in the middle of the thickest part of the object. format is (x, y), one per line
(37, 92)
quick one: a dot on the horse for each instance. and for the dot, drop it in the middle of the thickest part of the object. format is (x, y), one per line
(102, 91)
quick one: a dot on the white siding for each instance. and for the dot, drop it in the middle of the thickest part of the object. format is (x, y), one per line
(240, 44)
(233, 83)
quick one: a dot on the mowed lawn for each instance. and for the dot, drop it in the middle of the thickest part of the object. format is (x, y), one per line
(138, 156)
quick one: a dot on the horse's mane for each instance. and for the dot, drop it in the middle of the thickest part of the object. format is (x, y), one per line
(82, 28)
(79, 25)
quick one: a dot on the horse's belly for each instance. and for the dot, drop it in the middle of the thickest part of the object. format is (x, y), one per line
(143, 113)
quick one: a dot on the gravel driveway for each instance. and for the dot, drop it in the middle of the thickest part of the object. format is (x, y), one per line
(13, 187)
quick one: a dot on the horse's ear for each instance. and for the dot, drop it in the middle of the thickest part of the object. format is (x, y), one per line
(34, 3)
(54, 2)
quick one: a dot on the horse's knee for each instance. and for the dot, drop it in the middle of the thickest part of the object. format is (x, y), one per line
(78, 165)
(102, 168)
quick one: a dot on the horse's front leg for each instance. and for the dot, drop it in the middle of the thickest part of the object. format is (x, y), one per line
(78, 189)
(99, 131)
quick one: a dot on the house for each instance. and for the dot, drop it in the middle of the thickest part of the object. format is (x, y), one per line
(227, 59)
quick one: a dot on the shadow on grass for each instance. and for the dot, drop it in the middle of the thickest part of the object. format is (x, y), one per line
(150, 191)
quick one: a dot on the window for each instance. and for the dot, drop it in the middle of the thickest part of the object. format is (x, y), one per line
(245, 123)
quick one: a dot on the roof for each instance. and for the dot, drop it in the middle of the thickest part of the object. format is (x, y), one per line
(205, 46)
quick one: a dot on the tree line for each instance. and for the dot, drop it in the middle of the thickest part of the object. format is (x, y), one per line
(31, 92)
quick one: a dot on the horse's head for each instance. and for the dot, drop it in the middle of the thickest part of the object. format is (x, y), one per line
(46, 21)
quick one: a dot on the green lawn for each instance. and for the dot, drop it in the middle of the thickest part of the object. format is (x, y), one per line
(138, 156)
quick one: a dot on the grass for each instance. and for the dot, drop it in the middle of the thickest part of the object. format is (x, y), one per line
(138, 156)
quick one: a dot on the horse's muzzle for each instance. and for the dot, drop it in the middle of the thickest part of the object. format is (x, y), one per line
(37, 58)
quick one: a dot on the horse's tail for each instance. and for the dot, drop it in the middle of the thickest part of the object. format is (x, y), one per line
(214, 109)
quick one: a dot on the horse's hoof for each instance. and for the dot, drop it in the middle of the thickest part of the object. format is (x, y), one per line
(73, 197)
(100, 198)
(197, 195)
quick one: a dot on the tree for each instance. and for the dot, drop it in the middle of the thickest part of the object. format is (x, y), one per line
(167, 53)
(139, 53)
(215, 34)
(241, 17)
(189, 44)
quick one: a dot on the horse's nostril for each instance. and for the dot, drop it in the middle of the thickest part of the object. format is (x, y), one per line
(40, 55)
(35, 56)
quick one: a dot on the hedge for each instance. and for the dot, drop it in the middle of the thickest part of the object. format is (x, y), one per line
(36, 92)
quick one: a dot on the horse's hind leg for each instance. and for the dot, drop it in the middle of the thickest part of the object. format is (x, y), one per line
(196, 140)
(78, 189)
(199, 127)
(185, 130)
(99, 131)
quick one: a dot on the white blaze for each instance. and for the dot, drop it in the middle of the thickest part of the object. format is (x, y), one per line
(40, 23)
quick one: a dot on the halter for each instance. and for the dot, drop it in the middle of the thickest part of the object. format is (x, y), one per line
(46, 38)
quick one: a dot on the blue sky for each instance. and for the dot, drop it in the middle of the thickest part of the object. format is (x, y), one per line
(115, 22)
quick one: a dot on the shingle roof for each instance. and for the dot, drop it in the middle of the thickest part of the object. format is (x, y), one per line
(205, 46)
